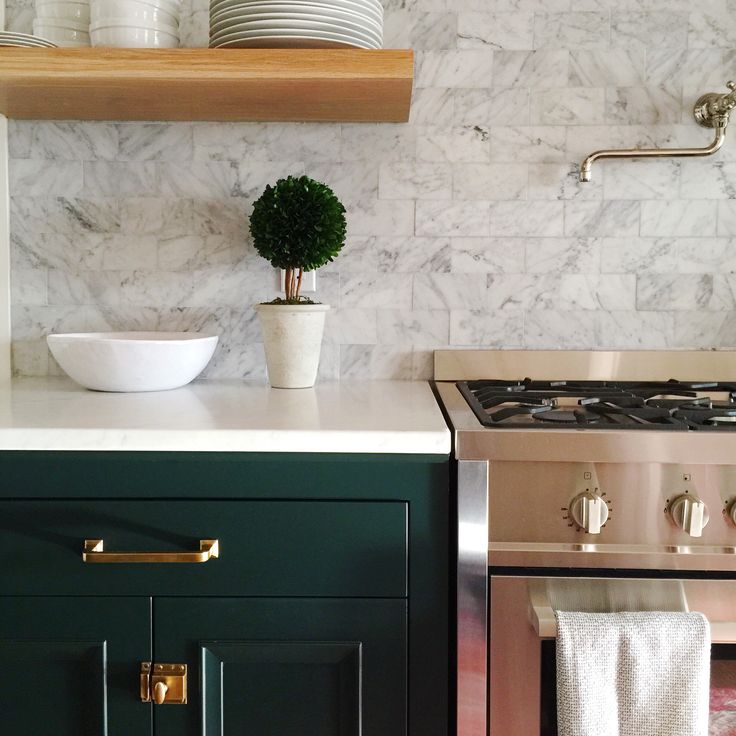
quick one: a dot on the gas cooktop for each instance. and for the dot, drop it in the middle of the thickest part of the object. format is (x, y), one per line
(637, 405)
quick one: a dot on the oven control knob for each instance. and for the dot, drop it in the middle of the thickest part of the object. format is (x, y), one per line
(690, 514)
(589, 511)
(732, 512)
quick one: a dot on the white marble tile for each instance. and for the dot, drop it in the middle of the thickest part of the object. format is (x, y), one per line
(200, 179)
(642, 105)
(223, 286)
(351, 181)
(646, 30)
(693, 218)
(36, 322)
(229, 141)
(675, 292)
(20, 133)
(466, 144)
(509, 31)
(379, 142)
(635, 330)
(561, 181)
(28, 287)
(576, 30)
(115, 252)
(666, 68)
(351, 327)
(155, 142)
(639, 255)
(535, 144)
(313, 142)
(568, 106)
(457, 68)
(535, 219)
(488, 255)
(641, 179)
(706, 255)
(413, 327)
(156, 216)
(434, 106)
(551, 329)
(711, 27)
(495, 106)
(38, 178)
(74, 141)
(419, 30)
(726, 218)
(487, 329)
(120, 179)
(189, 252)
(591, 219)
(704, 329)
(376, 361)
(376, 290)
(607, 68)
(449, 291)
(489, 181)
(393, 218)
(445, 218)
(708, 179)
(407, 180)
(543, 68)
(29, 357)
(412, 254)
(563, 255)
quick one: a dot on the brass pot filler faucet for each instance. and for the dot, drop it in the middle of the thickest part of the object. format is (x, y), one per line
(711, 111)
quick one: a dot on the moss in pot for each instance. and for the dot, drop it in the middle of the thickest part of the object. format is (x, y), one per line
(297, 225)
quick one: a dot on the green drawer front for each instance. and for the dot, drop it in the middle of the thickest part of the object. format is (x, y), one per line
(267, 548)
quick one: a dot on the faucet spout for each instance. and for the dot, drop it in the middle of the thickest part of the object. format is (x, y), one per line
(587, 165)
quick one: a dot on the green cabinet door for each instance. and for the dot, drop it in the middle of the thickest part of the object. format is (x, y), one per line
(285, 667)
(70, 666)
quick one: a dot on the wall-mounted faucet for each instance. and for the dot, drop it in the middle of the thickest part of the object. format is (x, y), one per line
(712, 110)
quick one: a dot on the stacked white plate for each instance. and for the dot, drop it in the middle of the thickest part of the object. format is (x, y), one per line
(135, 23)
(296, 23)
(64, 22)
(24, 40)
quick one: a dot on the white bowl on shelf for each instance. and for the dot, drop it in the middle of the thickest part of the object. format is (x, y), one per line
(62, 33)
(136, 12)
(132, 361)
(121, 34)
(64, 11)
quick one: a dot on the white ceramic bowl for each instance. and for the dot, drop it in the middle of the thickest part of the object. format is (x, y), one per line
(136, 12)
(59, 34)
(132, 361)
(59, 10)
(135, 37)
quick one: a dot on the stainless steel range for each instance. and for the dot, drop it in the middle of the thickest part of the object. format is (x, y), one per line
(586, 481)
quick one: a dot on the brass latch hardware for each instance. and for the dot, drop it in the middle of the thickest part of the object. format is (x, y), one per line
(163, 683)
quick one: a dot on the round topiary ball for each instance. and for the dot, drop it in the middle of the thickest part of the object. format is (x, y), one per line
(298, 223)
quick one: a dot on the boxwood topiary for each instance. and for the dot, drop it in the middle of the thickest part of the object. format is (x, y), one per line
(298, 224)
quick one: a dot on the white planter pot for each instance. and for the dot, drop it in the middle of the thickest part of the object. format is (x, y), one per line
(292, 336)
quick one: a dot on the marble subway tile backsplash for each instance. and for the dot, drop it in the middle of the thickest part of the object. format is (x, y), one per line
(467, 226)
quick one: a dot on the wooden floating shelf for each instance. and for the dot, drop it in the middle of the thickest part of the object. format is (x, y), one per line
(293, 85)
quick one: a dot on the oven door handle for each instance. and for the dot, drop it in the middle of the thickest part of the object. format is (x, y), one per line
(543, 621)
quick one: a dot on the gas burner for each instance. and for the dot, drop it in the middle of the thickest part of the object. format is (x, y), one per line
(670, 405)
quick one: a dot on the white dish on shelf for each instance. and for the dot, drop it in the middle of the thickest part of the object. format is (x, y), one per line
(137, 12)
(63, 10)
(62, 34)
(124, 35)
(304, 28)
(278, 6)
(132, 361)
(369, 7)
(314, 40)
(24, 40)
(348, 21)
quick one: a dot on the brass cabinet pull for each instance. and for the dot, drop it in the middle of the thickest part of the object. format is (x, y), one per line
(94, 552)
(163, 684)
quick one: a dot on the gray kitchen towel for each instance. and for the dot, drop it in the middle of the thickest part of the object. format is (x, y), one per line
(632, 674)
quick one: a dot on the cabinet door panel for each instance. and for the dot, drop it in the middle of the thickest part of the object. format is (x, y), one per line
(285, 667)
(70, 666)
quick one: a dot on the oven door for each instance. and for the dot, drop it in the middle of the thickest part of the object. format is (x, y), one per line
(522, 641)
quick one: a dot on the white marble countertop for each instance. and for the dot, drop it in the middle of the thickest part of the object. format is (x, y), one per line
(397, 417)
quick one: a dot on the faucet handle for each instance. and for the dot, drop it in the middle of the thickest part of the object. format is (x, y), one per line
(731, 85)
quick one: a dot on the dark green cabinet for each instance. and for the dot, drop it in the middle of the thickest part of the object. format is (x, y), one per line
(325, 614)
(286, 667)
(68, 665)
